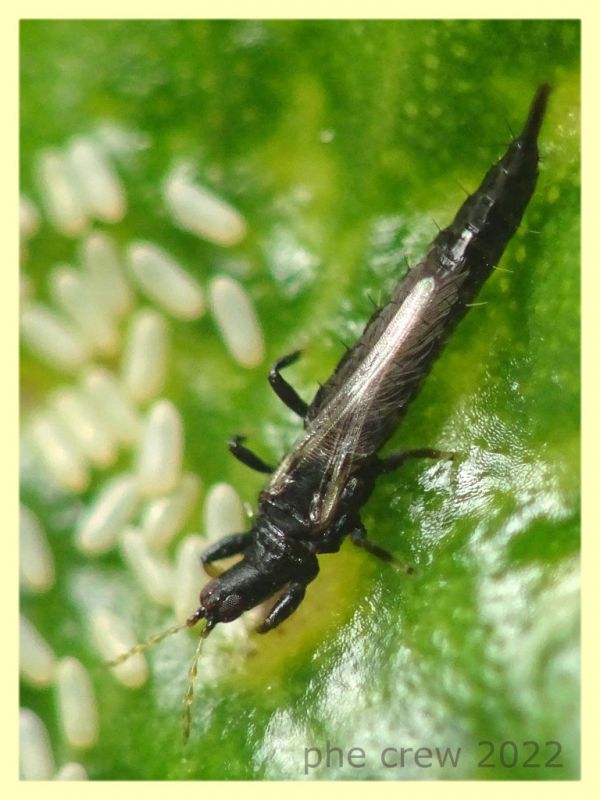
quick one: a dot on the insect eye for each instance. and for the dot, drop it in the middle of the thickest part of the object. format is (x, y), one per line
(231, 608)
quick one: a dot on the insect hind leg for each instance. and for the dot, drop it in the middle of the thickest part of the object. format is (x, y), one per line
(359, 537)
(282, 388)
(284, 607)
(397, 459)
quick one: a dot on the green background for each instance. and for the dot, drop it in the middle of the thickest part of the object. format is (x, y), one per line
(343, 143)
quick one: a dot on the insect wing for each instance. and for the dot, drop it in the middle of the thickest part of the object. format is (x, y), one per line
(342, 454)
(345, 429)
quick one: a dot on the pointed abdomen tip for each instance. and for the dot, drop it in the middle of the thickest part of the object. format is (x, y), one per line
(537, 112)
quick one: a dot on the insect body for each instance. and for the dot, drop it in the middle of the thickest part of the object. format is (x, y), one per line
(313, 498)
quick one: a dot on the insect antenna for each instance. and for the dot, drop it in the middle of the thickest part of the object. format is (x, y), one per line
(188, 698)
(150, 642)
(192, 672)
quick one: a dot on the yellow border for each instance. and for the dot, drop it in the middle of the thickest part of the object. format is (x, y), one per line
(108, 9)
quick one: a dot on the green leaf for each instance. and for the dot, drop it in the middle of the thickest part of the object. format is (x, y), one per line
(341, 142)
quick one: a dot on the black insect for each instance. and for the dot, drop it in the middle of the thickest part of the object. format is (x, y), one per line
(313, 498)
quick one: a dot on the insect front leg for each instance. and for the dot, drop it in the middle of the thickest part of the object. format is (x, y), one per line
(358, 536)
(392, 462)
(227, 546)
(306, 569)
(282, 388)
(247, 457)
(285, 605)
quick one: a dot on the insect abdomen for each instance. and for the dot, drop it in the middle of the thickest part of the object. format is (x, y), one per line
(488, 219)
(459, 260)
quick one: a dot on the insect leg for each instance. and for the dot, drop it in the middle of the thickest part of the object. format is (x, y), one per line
(247, 457)
(358, 536)
(285, 605)
(227, 546)
(282, 388)
(396, 459)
